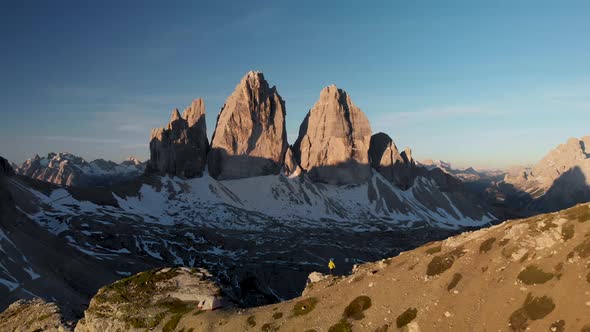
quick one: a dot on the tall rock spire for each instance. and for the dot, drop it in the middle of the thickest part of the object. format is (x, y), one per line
(181, 148)
(334, 140)
(250, 138)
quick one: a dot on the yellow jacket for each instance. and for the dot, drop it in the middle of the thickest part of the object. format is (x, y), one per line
(331, 265)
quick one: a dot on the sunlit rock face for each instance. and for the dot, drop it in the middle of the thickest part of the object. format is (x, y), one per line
(250, 137)
(334, 139)
(181, 147)
(561, 179)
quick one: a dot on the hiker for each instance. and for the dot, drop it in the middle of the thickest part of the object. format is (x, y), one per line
(331, 265)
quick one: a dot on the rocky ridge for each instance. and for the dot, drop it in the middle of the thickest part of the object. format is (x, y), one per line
(181, 147)
(66, 169)
(559, 180)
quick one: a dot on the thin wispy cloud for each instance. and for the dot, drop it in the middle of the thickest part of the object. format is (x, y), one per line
(81, 139)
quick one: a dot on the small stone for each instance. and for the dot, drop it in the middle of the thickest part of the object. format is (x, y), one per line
(447, 314)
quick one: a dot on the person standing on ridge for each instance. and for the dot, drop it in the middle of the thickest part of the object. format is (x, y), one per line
(331, 265)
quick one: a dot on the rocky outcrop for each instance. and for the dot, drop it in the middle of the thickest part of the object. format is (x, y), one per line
(66, 169)
(34, 315)
(291, 168)
(399, 168)
(250, 138)
(181, 147)
(560, 180)
(5, 168)
(153, 300)
(333, 141)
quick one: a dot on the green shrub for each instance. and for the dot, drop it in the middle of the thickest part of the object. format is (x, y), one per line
(356, 308)
(304, 307)
(406, 317)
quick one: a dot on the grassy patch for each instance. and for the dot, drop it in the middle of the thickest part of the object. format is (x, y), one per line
(406, 317)
(532, 275)
(357, 278)
(579, 213)
(434, 250)
(356, 308)
(534, 308)
(277, 315)
(251, 321)
(341, 326)
(172, 323)
(441, 263)
(137, 289)
(43, 317)
(269, 328)
(487, 245)
(583, 249)
(304, 307)
(456, 278)
(567, 231)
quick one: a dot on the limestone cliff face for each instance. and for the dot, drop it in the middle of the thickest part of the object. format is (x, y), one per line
(250, 137)
(334, 139)
(181, 148)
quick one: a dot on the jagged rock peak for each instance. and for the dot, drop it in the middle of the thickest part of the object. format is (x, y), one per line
(181, 147)
(407, 156)
(194, 112)
(334, 139)
(67, 169)
(389, 162)
(175, 116)
(250, 138)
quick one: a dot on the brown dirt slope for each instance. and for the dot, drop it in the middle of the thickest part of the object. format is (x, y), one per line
(523, 274)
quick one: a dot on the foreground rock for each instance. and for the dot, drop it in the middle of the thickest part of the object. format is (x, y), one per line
(34, 315)
(397, 167)
(66, 169)
(333, 141)
(153, 300)
(250, 138)
(181, 147)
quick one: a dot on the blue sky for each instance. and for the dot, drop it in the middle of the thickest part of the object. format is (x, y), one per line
(482, 83)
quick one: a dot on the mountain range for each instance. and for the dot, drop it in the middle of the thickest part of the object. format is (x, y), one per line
(260, 214)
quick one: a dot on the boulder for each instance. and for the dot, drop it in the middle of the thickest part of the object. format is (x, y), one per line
(333, 141)
(250, 138)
